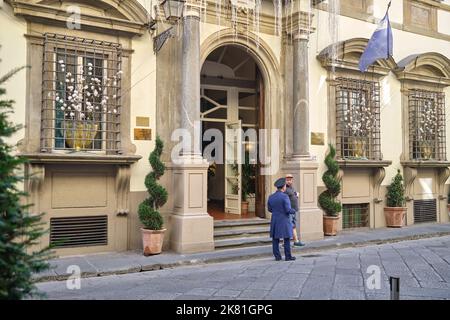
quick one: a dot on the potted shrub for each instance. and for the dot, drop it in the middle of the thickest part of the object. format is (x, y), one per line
(395, 211)
(248, 184)
(327, 199)
(153, 232)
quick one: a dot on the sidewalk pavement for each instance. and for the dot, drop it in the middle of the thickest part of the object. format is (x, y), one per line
(95, 265)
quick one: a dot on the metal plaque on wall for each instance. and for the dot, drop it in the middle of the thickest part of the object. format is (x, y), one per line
(142, 134)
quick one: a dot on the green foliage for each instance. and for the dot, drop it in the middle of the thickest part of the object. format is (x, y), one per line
(19, 230)
(248, 178)
(148, 209)
(327, 199)
(396, 192)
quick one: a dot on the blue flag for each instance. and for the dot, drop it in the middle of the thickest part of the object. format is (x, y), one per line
(379, 46)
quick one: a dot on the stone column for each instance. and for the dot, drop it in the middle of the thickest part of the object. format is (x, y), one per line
(191, 226)
(300, 103)
(190, 76)
(300, 163)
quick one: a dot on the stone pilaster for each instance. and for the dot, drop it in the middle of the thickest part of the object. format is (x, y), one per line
(300, 163)
(300, 103)
(191, 226)
(310, 220)
(190, 75)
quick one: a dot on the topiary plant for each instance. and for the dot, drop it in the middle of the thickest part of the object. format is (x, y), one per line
(327, 199)
(395, 192)
(148, 209)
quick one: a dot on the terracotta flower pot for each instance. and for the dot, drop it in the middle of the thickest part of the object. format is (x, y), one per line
(330, 225)
(244, 207)
(152, 241)
(395, 216)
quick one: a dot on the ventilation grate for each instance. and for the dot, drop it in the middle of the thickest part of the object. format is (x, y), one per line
(424, 211)
(355, 215)
(79, 231)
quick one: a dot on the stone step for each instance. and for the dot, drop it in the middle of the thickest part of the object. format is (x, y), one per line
(242, 242)
(238, 232)
(241, 223)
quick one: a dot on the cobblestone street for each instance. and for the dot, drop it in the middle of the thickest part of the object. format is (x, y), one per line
(422, 265)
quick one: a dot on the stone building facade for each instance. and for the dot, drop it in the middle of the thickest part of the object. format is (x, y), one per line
(289, 68)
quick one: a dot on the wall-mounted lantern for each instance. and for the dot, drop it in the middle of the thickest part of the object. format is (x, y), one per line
(173, 9)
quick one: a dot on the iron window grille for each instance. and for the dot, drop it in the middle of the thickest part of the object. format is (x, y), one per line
(355, 215)
(358, 119)
(81, 95)
(426, 125)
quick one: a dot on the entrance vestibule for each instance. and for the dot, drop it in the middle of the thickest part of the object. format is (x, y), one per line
(232, 104)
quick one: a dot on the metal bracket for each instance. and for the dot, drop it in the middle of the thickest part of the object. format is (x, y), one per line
(161, 38)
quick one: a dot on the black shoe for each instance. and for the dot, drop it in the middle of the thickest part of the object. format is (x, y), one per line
(291, 259)
(277, 259)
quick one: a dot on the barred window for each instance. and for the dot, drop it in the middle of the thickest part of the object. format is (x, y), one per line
(81, 95)
(358, 119)
(426, 125)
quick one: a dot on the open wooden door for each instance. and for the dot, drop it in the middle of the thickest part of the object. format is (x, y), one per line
(233, 168)
(260, 205)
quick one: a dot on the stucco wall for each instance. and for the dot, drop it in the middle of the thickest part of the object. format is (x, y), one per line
(13, 54)
(143, 104)
(405, 43)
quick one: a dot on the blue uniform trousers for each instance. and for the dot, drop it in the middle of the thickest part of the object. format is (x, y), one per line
(276, 248)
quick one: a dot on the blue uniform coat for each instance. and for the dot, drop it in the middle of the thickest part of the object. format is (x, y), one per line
(280, 224)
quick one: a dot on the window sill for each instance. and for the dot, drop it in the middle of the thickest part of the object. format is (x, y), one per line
(80, 158)
(364, 163)
(425, 164)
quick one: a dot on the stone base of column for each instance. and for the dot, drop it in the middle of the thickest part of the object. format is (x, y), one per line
(192, 228)
(305, 182)
(191, 234)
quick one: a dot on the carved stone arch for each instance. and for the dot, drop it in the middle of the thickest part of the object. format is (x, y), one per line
(268, 64)
(348, 54)
(264, 57)
(431, 67)
(128, 16)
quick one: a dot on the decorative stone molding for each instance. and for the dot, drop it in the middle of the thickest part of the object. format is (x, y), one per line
(378, 172)
(298, 24)
(443, 175)
(35, 180)
(127, 17)
(378, 176)
(364, 163)
(122, 186)
(61, 158)
(348, 55)
(426, 71)
(410, 174)
(429, 68)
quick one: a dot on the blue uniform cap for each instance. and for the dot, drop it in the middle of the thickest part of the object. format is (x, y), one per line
(280, 183)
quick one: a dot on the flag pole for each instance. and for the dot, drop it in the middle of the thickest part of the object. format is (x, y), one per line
(387, 12)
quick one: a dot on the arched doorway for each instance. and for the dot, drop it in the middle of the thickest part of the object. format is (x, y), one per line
(232, 104)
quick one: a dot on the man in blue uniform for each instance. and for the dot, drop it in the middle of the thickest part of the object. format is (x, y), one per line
(280, 224)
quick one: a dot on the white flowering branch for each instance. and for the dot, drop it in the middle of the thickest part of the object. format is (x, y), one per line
(93, 93)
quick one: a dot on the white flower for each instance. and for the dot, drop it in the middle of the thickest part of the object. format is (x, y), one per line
(62, 108)
(61, 61)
